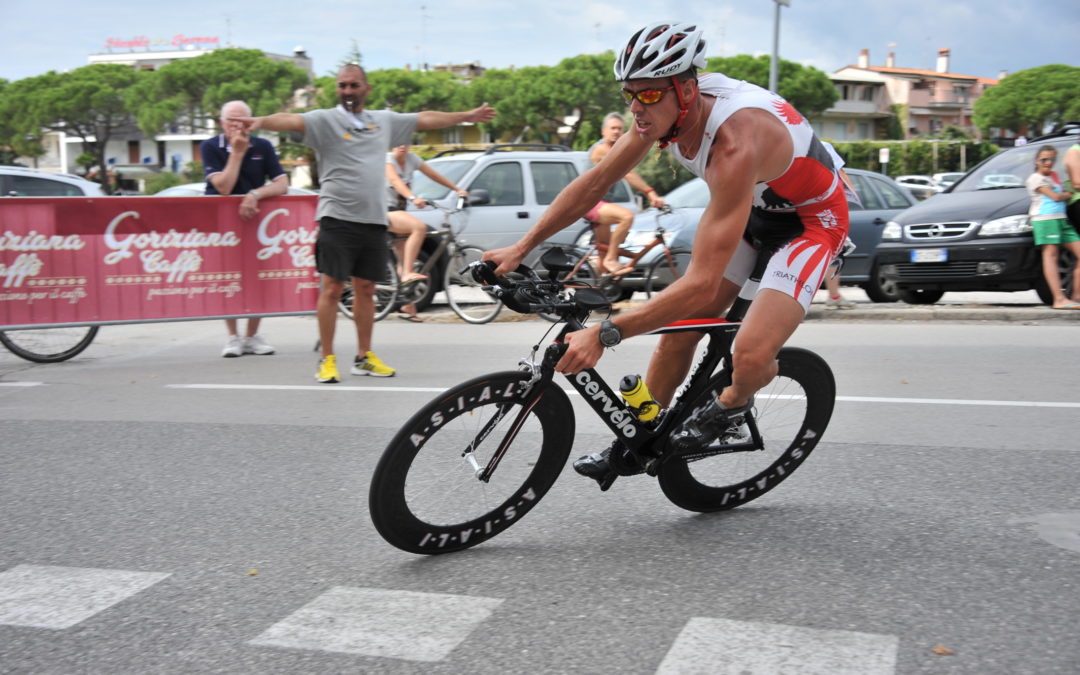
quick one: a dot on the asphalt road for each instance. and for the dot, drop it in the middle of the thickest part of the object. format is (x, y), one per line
(169, 511)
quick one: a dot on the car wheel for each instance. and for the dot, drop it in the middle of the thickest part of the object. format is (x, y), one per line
(880, 289)
(920, 296)
(1066, 269)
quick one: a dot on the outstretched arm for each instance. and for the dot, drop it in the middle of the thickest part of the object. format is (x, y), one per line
(275, 122)
(434, 119)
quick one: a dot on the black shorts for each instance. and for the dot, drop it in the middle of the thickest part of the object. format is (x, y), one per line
(346, 249)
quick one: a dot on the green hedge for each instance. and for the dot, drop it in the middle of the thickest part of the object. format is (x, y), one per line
(913, 157)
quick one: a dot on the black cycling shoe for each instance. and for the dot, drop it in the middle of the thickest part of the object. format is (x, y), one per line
(597, 465)
(708, 423)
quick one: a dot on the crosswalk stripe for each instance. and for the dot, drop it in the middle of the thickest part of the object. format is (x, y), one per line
(726, 647)
(45, 596)
(384, 623)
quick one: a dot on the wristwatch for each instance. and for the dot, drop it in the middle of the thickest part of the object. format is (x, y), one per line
(610, 335)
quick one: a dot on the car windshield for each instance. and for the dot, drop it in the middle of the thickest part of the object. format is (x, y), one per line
(1009, 168)
(692, 194)
(453, 169)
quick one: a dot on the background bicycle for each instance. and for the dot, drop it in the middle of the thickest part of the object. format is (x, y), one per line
(48, 345)
(443, 266)
(479, 456)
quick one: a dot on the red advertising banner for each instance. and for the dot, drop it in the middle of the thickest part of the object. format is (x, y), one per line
(73, 260)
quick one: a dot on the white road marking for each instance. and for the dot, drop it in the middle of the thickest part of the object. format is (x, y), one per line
(41, 596)
(725, 647)
(572, 392)
(21, 384)
(385, 623)
(1059, 529)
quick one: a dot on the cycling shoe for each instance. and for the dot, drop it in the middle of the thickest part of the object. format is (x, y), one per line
(712, 422)
(597, 465)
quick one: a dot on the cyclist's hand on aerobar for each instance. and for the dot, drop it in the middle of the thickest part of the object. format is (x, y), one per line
(583, 351)
(507, 259)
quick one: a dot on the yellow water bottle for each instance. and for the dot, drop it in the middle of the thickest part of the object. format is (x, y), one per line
(637, 396)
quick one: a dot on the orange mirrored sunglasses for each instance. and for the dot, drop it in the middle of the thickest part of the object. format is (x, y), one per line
(646, 96)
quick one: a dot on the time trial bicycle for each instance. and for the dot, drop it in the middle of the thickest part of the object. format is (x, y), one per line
(481, 455)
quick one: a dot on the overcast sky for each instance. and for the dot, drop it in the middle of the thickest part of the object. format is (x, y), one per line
(985, 37)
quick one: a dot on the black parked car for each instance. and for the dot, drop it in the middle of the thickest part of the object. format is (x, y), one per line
(975, 236)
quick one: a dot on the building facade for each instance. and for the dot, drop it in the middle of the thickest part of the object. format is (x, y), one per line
(917, 102)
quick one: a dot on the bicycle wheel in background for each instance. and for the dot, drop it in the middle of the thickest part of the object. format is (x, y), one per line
(791, 414)
(584, 277)
(668, 266)
(466, 296)
(386, 293)
(427, 495)
(48, 345)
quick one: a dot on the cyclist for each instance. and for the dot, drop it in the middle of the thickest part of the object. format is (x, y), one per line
(612, 222)
(768, 176)
(400, 166)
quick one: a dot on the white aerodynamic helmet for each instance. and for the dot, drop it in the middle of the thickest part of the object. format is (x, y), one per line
(661, 50)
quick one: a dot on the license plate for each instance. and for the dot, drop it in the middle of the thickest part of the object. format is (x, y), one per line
(929, 255)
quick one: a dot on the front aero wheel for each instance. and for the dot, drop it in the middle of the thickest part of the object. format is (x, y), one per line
(466, 296)
(48, 345)
(427, 493)
(791, 414)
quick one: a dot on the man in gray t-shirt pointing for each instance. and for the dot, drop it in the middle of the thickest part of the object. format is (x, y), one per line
(350, 145)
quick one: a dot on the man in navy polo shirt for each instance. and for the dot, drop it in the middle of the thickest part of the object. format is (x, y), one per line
(236, 163)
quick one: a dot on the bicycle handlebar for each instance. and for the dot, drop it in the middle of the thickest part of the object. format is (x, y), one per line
(532, 294)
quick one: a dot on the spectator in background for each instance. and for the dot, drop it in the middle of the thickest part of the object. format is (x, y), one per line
(236, 163)
(612, 222)
(1050, 226)
(400, 167)
(350, 144)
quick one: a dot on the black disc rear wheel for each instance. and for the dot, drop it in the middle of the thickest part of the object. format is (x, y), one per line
(791, 414)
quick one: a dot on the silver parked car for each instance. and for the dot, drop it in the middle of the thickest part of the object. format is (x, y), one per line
(19, 181)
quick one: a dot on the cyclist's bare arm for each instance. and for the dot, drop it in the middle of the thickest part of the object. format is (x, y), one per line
(735, 166)
(575, 200)
(275, 122)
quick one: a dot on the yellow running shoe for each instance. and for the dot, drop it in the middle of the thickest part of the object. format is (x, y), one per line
(328, 372)
(371, 365)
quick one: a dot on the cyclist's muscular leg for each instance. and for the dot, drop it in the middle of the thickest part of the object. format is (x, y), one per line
(326, 312)
(363, 312)
(618, 220)
(770, 322)
(674, 354)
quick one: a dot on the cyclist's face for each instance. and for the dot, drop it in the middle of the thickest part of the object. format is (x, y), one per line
(352, 88)
(653, 121)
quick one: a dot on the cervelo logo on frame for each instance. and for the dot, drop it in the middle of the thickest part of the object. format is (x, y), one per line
(615, 411)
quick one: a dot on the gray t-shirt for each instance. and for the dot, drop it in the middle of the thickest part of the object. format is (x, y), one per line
(412, 163)
(351, 152)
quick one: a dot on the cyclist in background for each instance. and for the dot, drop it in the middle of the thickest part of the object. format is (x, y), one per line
(400, 167)
(768, 176)
(612, 222)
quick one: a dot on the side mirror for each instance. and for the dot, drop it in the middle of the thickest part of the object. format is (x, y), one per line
(479, 197)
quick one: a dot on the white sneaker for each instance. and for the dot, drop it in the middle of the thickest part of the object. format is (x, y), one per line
(233, 348)
(257, 345)
(839, 303)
